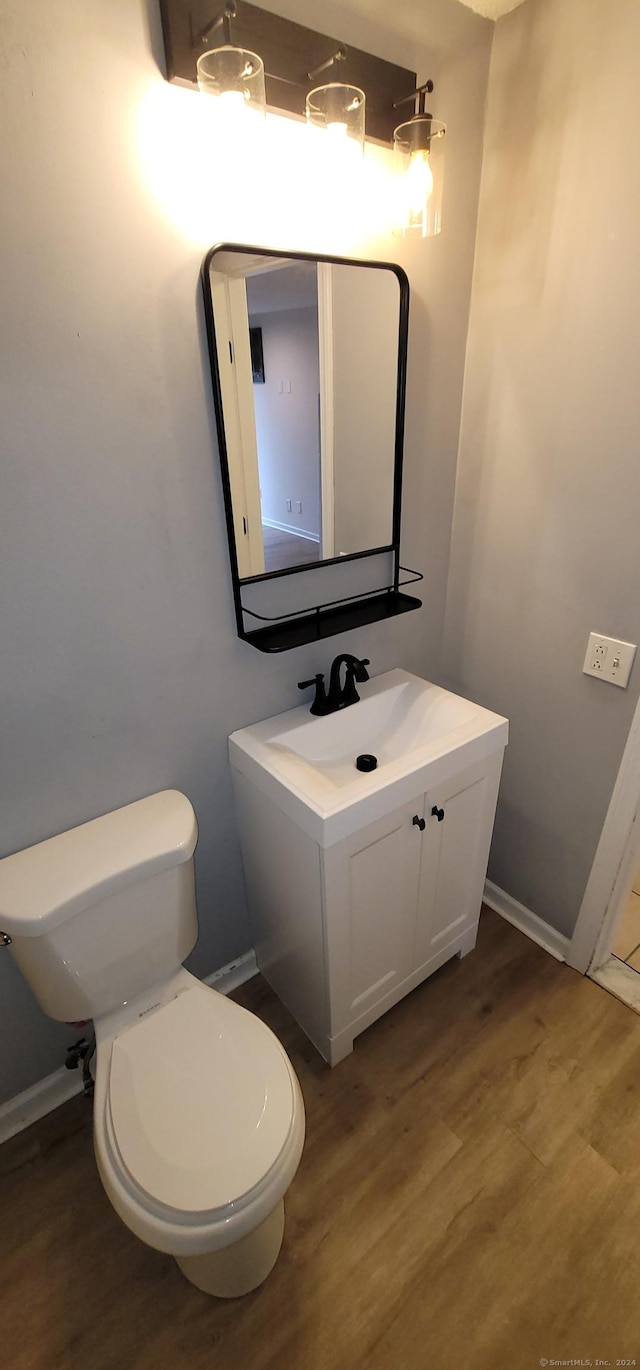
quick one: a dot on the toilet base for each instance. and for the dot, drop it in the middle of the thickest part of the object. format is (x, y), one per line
(237, 1269)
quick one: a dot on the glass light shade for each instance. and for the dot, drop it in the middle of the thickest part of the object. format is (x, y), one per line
(235, 78)
(418, 148)
(340, 111)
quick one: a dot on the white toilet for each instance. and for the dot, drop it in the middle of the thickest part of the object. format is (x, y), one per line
(198, 1115)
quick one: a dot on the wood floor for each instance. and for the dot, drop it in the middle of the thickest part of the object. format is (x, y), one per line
(468, 1199)
(282, 550)
(627, 941)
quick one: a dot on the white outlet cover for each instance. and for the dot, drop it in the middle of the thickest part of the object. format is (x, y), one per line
(609, 659)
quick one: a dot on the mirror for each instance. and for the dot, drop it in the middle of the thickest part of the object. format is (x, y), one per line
(308, 358)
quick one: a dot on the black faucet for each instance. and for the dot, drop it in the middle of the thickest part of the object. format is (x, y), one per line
(339, 696)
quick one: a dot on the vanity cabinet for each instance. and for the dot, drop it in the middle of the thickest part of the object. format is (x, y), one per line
(342, 932)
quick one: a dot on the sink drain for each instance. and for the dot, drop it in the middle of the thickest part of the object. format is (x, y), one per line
(366, 762)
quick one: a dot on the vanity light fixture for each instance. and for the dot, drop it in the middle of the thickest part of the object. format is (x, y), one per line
(418, 147)
(290, 57)
(232, 75)
(293, 55)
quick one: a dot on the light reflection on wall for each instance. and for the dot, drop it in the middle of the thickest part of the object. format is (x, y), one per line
(280, 184)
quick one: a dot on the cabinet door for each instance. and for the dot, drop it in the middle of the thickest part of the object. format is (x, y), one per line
(455, 851)
(371, 890)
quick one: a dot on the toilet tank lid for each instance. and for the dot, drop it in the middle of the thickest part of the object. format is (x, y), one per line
(44, 885)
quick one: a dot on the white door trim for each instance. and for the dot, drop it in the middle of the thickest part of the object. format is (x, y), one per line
(613, 867)
(325, 361)
(236, 384)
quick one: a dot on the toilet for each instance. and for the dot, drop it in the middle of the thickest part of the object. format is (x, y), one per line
(198, 1115)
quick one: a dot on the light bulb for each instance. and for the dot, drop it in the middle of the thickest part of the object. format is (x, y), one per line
(232, 101)
(236, 129)
(232, 79)
(418, 186)
(339, 111)
(418, 148)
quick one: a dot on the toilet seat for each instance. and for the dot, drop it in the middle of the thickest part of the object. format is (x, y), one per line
(199, 1107)
(178, 1231)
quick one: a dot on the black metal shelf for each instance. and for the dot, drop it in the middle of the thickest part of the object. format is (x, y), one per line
(321, 623)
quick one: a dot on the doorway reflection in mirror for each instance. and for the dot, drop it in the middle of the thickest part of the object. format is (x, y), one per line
(283, 306)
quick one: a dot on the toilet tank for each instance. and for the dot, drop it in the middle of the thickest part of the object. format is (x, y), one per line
(99, 914)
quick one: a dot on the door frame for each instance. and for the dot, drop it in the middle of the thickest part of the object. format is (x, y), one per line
(617, 854)
(236, 384)
(325, 368)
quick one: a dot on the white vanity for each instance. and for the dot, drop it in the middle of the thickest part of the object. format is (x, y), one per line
(361, 884)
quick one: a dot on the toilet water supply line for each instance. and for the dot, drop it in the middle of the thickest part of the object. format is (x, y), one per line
(83, 1050)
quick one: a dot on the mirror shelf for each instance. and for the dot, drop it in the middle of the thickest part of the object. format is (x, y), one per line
(281, 633)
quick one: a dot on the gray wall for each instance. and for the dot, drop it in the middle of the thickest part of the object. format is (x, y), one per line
(121, 670)
(546, 541)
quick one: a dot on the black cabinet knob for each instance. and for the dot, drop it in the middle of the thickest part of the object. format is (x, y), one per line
(437, 813)
(418, 822)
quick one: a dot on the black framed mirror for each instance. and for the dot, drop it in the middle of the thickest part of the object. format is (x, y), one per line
(308, 364)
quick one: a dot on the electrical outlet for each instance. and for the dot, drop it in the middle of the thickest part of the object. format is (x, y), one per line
(299, 505)
(609, 659)
(288, 504)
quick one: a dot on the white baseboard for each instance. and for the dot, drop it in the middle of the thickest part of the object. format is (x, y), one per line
(229, 977)
(39, 1099)
(522, 918)
(291, 528)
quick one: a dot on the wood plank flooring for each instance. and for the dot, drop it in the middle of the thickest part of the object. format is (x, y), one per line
(627, 941)
(469, 1196)
(282, 550)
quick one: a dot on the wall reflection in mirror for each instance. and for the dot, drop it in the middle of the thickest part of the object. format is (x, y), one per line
(306, 359)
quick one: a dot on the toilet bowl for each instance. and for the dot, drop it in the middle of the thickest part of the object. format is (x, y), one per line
(198, 1115)
(198, 1132)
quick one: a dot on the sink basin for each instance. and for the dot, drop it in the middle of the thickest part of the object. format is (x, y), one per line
(390, 722)
(419, 733)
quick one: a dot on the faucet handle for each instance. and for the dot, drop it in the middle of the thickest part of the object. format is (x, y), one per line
(319, 705)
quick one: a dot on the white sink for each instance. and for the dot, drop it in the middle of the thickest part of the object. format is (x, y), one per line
(391, 721)
(419, 733)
